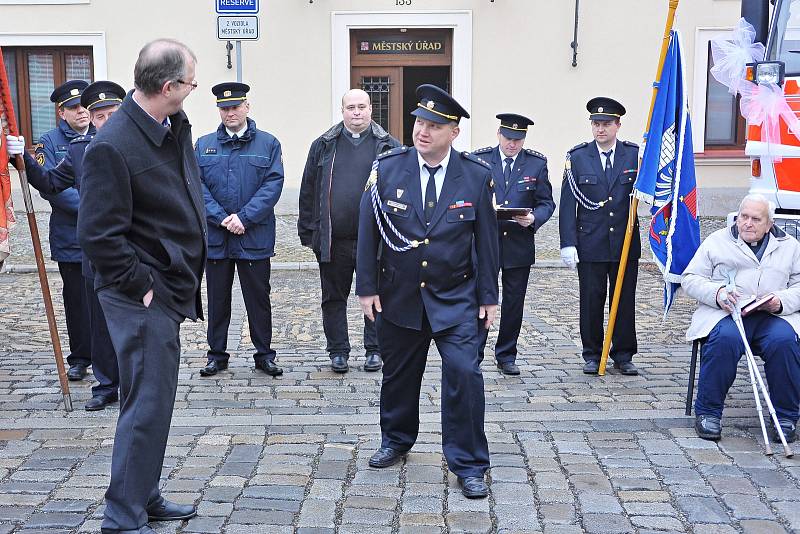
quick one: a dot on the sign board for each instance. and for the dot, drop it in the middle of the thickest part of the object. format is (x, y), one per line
(237, 27)
(237, 6)
(401, 45)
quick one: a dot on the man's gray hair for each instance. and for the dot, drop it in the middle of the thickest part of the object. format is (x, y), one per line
(159, 62)
(758, 197)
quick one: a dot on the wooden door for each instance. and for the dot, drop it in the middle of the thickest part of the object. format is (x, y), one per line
(384, 85)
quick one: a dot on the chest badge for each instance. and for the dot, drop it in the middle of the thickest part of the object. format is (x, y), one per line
(211, 150)
(400, 193)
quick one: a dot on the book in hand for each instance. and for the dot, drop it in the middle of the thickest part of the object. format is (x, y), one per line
(753, 304)
(506, 214)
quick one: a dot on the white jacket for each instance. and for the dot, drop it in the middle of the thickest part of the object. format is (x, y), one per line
(778, 273)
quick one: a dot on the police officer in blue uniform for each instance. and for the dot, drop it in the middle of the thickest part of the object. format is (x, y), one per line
(426, 213)
(521, 181)
(101, 98)
(64, 249)
(242, 172)
(593, 216)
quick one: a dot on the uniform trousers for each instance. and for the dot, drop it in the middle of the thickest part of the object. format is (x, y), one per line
(405, 353)
(76, 312)
(147, 343)
(254, 279)
(769, 336)
(336, 277)
(512, 306)
(104, 359)
(597, 281)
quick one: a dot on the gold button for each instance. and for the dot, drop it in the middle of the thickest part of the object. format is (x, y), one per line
(460, 215)
(611, 229)
(422, 284)
(424, 263)
(465, 275)
(427, 241)
(505, 233)
(610, 213)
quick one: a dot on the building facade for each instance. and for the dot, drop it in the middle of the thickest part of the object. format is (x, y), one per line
(494, 56)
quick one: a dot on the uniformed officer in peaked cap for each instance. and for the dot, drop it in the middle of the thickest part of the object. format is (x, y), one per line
(521, 181)
(101, 98)
(595, 200)
(425, 210)
(242, 172)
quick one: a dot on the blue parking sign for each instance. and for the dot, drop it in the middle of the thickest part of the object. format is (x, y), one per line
(237, 6)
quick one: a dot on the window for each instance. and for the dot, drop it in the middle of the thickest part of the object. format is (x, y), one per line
(33, 73)
(725, 126)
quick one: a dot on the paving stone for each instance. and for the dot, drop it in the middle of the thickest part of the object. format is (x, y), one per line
(607, 523)
(755, 526)
(469, 522)
(703, 510)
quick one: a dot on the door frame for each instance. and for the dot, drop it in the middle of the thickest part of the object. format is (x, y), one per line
(459, 21)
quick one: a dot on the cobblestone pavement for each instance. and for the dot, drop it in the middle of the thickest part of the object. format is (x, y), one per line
(570, 453)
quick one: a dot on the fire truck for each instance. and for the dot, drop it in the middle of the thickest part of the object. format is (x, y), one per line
(779, 181)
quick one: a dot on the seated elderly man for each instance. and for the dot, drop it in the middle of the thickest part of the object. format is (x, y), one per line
(766, 261)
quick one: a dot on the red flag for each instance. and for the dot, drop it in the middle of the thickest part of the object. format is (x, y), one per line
(8, 126)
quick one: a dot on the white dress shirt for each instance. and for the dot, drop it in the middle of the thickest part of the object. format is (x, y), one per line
(603, 157)
(438, 177)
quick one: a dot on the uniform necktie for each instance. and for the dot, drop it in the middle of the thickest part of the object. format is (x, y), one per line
(235, 138)
(430, 193)
(608, 164)
(507, 170)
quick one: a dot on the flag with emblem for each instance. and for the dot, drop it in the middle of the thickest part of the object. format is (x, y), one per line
(667, 176)
(7, 127)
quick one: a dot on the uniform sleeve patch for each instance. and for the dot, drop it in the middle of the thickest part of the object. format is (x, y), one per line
(40, 158)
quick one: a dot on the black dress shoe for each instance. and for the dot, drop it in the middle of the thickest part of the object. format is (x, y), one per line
(591, 367)
(339, 364)
(99, 402)
(373, 363)
(708, 427)
(165, 510)
(76, 372)
(384, 457)
(213, 367)
(789, 431)
(473, 487)
(626, 368)
(508, 368)
(269, 367)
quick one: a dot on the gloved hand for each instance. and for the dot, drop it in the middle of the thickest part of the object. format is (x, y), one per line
(569, 255)
(15, 145)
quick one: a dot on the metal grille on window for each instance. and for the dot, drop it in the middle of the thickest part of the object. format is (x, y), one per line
(377, 87)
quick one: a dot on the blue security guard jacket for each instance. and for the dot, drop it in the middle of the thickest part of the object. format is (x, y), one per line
(438, 278)
(50, 151)
(245, 177)
(528, 187)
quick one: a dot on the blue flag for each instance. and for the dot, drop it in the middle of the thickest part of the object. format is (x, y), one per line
(666, 178)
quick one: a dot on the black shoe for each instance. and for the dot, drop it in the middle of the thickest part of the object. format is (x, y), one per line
(99, 402)
(165, 510)
(373, 363)
(339, 364)
(269, 367)
(591, 367)
(508, 368)
(473, 487)
(626, 368)
(76, 372)
(384, 457)
(789, 431)
(213, 367)
(708, 427)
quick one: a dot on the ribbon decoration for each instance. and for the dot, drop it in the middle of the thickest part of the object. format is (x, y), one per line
(731, 56)
(765, 106)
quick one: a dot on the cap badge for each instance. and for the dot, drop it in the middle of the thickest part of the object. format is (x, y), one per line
(101, 96)
(75, 92)
(600, 109)
(515, 125)
(226, 94)
(430, 104)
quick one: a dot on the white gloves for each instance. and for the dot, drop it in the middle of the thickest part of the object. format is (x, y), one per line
(15, 145)
(569, 255)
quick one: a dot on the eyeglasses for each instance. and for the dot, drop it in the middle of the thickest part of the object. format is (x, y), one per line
(193, 83)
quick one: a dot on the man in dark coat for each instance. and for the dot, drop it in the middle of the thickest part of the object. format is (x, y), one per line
(521, 181)
(142, 225)
(593, 216)
(336, 170)
(242, 172)
(427, 269)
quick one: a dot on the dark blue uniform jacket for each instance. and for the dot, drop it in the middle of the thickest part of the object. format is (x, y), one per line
(529, 187)
(437, 277)
(244, 177)
(598, 234)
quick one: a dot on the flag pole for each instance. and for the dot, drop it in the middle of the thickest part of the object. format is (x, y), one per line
(10, 128)
(634, 205)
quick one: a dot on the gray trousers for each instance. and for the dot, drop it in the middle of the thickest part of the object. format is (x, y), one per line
(147, 344)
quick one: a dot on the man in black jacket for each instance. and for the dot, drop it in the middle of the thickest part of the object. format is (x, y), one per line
(336, 171)
(142, 225)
